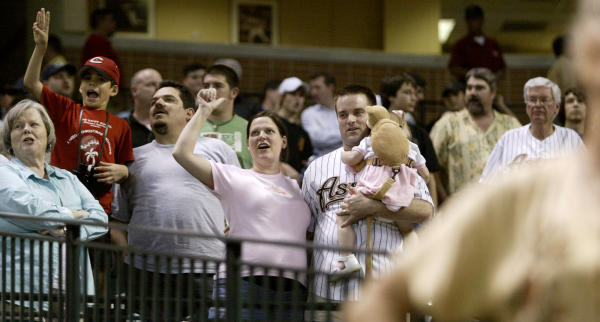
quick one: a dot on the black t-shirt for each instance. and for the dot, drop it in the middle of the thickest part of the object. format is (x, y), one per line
(299, 146)
(245, 106)
(421, 138)
(140, 134)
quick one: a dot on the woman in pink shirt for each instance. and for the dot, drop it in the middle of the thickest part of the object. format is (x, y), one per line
(259, 203)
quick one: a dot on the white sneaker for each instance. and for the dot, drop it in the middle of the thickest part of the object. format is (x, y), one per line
(351, 265)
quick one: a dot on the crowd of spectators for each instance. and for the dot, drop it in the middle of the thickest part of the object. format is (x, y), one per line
(200, 155)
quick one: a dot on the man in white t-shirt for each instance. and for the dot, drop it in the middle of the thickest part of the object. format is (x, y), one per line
(159, 193)
(540, 139)
(319, 120)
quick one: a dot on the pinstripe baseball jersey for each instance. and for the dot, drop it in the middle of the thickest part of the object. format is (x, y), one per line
(518, 145)
(326, 183)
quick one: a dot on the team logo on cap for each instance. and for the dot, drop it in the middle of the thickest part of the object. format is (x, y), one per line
(97, 60)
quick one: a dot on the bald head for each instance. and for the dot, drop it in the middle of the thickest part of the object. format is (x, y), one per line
(146, 73)
(143, 85)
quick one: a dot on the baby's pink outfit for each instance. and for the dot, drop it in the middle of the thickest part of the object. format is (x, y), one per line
(372, 177)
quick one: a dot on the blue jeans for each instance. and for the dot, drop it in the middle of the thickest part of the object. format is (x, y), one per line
(264, 298)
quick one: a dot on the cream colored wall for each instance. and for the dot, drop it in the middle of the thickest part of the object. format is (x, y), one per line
(395, 26)
(193, 20)
(410, 27)
(331, 23)
(531, 43)
(324, 23)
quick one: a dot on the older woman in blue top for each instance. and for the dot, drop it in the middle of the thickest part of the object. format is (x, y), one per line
(30, 186)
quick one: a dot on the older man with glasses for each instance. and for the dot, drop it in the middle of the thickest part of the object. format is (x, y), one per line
(540, 139)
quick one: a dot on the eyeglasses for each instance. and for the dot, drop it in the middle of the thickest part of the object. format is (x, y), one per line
(544, 100)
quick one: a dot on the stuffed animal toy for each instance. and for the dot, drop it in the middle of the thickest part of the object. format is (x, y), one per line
(382, 162)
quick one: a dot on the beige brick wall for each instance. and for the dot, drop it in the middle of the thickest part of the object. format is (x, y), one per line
(258, 70)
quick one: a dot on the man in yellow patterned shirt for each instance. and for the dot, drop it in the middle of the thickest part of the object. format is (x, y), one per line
(463, 140)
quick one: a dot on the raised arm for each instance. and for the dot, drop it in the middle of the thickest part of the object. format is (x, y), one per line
(183, 152)
(41, 28)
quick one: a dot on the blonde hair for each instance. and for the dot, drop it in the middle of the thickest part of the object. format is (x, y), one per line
(14, 113)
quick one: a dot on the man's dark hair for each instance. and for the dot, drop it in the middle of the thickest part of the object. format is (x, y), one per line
(473, 12)
(391, 84)
(271, 84)
(328, 78)
(230, 75)
(356, 89)
(192, 68)
(55, 43)
(562, 115)
(184, 93)
(280, 126)
(98, 15)
(419, 81)
(558, 46)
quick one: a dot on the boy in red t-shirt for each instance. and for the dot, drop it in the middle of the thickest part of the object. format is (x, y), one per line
(89, 140)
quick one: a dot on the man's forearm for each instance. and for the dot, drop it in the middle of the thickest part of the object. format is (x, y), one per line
(417, 212)
(357, 207)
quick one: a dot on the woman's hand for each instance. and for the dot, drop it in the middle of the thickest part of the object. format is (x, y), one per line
(58, 232)
(41, 28)
(207, 101)
(78, 214)
(111, 172)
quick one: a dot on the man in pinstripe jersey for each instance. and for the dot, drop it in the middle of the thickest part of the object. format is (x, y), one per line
(328, 188)
(540, 139)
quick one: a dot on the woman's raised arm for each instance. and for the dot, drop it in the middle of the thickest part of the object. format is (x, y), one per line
(183, 152)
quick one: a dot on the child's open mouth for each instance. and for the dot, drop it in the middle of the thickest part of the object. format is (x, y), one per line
(92, 94)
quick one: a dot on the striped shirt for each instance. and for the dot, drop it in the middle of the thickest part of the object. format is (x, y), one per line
(326, 183)
(519, 145)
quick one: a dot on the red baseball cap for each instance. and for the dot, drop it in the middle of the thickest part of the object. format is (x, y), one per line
(104, 66)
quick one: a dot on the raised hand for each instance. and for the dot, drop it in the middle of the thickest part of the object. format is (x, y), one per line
(207, 101)
(41, 28)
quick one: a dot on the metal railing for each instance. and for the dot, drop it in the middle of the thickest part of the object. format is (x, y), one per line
(45, 277)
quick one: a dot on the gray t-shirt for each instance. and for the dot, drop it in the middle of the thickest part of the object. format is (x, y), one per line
(160, 193)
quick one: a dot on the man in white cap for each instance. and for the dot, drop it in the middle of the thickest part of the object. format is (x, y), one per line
(293, 91)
